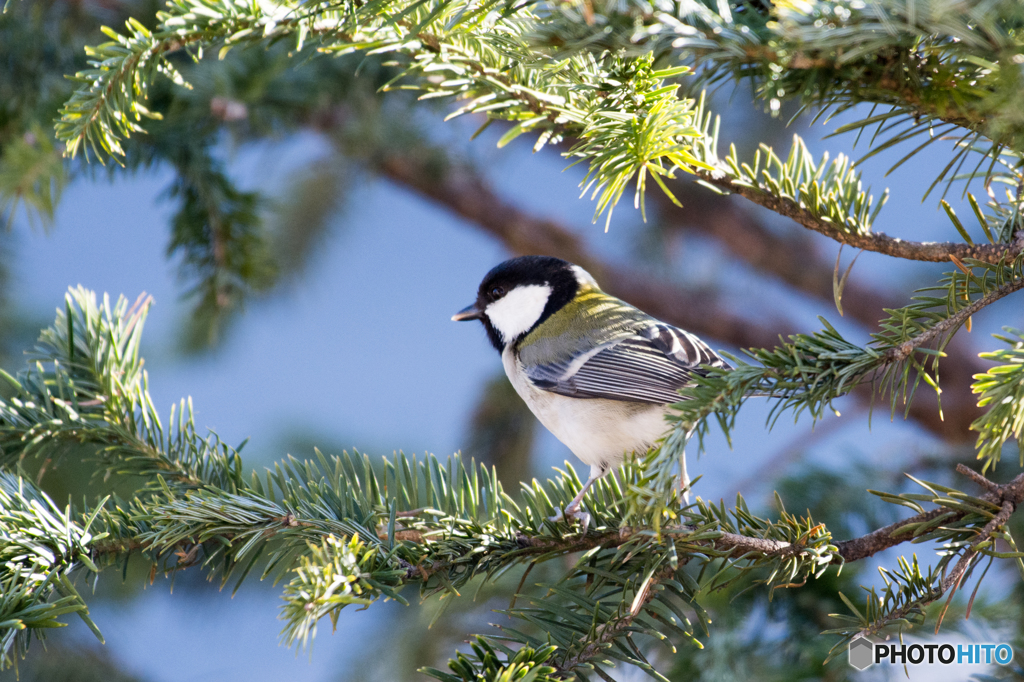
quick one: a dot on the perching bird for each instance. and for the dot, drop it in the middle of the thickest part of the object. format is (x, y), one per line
(597, 372)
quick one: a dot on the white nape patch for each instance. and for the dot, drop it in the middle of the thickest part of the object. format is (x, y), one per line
(584, 278)
(518, 310)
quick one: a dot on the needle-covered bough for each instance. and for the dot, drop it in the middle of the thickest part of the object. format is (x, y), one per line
(341, 530)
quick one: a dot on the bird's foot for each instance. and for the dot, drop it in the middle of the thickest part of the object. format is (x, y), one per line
(572, 513)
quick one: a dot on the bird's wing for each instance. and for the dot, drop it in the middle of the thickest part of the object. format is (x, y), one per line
(649, 366)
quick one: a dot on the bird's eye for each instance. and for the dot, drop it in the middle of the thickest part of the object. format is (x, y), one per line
(497, 292)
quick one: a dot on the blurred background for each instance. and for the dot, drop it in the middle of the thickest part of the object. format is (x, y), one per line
(307, 240)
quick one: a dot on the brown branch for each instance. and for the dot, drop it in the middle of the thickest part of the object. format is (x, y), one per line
(1007, 496)
(735, 545)
(792, 258)
(892, 535)
(879, 242)
(727, 542)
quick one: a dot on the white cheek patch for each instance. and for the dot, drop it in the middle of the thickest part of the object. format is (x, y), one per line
(518, 310)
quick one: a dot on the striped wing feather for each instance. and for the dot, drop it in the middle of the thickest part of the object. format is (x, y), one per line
(648, 367)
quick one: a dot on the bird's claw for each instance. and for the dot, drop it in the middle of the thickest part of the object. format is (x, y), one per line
(571, 514)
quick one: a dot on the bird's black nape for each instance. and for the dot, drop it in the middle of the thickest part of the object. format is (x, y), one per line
(526, 270)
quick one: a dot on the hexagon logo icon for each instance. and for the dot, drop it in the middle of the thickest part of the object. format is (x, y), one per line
(862, 652)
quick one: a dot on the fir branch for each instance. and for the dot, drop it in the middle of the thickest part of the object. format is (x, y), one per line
(629, 123)
(951, 323)
(87, 385)
(333, 525)
(957, 524)
(931, 61)
(1000, 390)
(825, 197)
(40, 547)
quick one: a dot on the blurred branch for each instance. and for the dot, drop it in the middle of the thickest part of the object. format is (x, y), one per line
(468, 195)
(793, 257)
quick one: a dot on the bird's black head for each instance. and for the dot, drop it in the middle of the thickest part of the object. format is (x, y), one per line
(517, 295)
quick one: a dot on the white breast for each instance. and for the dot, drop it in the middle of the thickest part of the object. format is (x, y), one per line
(600, 432)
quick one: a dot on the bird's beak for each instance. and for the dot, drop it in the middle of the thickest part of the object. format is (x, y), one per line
(470, 312)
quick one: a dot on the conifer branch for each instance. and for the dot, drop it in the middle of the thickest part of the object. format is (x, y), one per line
(931, 61)
(344, 533)
(828, 198)
(628, 123)
(906, 530)
(908, 590)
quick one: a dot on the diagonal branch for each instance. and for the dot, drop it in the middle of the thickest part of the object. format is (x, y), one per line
(793, 259)
(469, 196)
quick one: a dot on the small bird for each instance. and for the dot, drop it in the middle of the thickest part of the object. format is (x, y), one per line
(597, 372)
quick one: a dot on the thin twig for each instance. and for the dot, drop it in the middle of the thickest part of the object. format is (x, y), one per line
(902, 351)
(878, 242)
(613, 628)
(952, 581)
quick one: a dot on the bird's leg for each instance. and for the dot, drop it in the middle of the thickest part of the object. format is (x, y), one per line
(684, 480)
(684, 476)
(572, 510)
